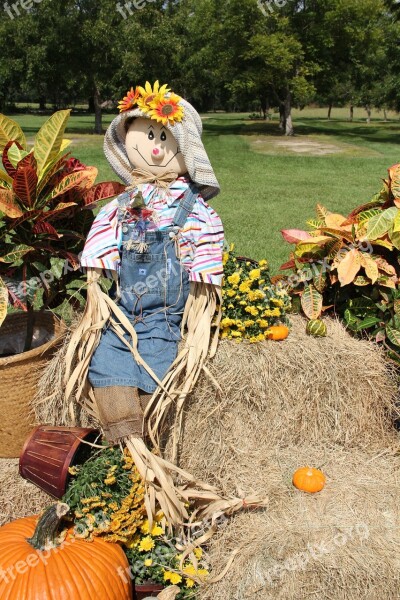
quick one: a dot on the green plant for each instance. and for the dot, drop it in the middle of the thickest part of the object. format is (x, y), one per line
(106, 499)
(351, 265)
(46, 202)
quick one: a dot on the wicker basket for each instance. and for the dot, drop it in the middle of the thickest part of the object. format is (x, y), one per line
(19, 375)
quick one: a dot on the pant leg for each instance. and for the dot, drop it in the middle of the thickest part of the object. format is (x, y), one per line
(120, 412)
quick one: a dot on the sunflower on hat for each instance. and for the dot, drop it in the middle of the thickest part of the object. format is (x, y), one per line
(159, 103)
(149, 94)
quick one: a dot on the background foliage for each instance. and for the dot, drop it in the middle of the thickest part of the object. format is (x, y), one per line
(228, 55)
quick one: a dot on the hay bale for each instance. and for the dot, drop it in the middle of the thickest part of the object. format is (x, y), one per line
(341, 544)
(327, 403)
(337, 389)
(18, 498)
(334, 390)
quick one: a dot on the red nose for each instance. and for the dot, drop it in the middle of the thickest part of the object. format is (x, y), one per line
(156, 151)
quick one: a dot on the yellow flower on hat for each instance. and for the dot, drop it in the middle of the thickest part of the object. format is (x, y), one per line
(150, 93)
(166, 109)
(129, 100)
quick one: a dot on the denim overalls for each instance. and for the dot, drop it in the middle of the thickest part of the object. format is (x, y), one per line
(154, 287)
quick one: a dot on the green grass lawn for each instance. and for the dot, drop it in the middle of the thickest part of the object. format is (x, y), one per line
(270, 182)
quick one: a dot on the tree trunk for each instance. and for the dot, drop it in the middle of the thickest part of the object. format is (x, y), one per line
(289, 131)
(264, 107)
(330, 110)
(91, 107)
(282, 123)
(368, 109)
(385, 115)
(351, 112)
(98, 124)
(42, 103)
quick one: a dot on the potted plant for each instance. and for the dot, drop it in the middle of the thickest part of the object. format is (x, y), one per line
(106, 497)
(46, 202)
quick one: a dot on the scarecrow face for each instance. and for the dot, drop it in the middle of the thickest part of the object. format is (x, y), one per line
(152, 147)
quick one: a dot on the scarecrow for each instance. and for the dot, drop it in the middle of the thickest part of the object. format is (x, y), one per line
(162, 244)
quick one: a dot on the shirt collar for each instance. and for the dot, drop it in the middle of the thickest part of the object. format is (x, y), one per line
(175, 191)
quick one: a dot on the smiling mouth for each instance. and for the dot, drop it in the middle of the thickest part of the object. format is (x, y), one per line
(152, 164)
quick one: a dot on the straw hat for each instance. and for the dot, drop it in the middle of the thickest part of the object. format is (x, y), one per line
(187, 133)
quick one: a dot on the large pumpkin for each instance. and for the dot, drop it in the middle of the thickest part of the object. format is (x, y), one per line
(34, 566)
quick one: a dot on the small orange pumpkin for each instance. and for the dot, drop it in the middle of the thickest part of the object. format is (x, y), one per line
(308, 479)
(34, 567)
(278, 332)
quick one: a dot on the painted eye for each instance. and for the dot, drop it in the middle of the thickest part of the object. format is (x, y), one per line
(163, 136)
(151, 135)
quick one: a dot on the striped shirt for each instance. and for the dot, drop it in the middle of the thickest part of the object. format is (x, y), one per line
(201, 239)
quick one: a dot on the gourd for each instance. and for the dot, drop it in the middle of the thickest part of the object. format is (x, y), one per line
(35, 565)
(308, 479)
(316, 328)
(278, 332)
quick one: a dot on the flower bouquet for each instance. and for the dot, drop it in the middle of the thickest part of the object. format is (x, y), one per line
(106, 498)
(251, 302)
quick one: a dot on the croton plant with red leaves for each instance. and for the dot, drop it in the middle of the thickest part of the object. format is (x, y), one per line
(46, 210)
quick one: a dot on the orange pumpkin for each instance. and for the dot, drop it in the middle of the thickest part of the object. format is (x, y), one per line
(34, 567)
(278, 332)
(309, 480)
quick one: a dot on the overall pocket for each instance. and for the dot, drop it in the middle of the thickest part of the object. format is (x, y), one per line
(143, 282)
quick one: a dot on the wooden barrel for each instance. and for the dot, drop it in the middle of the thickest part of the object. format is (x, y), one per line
(147, 590)
(50, 451)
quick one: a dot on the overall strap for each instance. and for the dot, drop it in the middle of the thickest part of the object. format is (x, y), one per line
(185, 206)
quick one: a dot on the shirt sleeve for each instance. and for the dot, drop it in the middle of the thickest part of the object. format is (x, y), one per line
(205, 235)
(101, 248)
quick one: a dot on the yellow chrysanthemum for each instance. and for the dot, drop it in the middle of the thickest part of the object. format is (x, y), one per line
(198, 552)
(263, 263)
(254, 295)
(189, 582)
(244, 287)
(255, 274)
(148, 562)
(145, 527)
(234, 278)
(146, 544)
(263, 323)
(166, 110)
(157, 530)
(110, 480)
(174, 578)
(150, 94)
(225, 257)
(129, 100)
